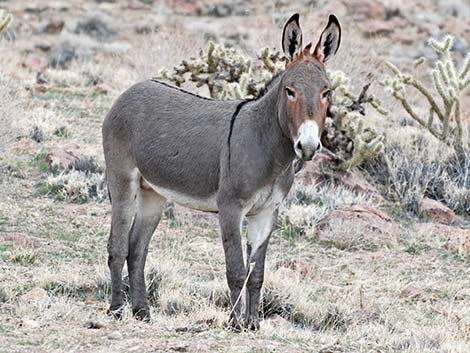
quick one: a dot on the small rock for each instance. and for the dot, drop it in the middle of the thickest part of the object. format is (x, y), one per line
(435, 211)
(358, 227)
(411, 292)
(29, 323)
(61, 159)
(115, 335)
(94, 325)
(101, 88)
(43, 46)
(54, 26)
(35, 295)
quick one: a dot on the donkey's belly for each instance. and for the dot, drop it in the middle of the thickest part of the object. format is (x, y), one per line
(208, 204)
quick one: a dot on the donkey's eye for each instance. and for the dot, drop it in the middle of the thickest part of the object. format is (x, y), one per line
(290, 93)
(325, 95)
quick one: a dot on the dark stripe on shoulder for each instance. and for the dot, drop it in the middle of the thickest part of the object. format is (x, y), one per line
(181, 90)
(232, 123)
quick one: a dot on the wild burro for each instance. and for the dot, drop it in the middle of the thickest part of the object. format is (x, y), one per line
(231, 157)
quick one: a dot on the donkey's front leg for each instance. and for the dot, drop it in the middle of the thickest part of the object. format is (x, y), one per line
(230, 219)
(260, 227)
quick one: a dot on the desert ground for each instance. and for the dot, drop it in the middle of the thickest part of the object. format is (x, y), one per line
(375, 258)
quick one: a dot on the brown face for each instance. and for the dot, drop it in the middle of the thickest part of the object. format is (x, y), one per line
(304, 102)
(306, 96)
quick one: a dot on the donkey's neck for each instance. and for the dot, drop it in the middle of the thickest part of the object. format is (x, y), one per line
(265, 114)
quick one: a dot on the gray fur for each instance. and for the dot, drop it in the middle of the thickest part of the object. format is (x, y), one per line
(161, 142)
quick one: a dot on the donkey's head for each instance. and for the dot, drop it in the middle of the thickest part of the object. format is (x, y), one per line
(305, 88)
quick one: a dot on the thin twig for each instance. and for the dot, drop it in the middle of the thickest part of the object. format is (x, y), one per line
(252, 266)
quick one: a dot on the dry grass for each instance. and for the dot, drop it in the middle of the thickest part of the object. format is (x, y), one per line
(314, 296)
(413, 296)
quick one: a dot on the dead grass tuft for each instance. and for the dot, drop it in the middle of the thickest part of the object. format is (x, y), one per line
(410, 172)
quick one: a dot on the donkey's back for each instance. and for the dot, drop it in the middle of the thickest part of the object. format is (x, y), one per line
(158, 131)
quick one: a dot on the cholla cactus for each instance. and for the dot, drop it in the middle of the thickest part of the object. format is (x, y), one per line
(230, 75)
(346, 135)
(5, 20)
(227, 73)
(449, 84)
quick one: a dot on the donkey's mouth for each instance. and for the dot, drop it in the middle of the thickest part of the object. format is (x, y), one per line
(304, 157)
(306, 152)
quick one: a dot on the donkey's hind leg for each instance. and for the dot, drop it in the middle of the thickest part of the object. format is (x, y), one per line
(149, 210)
(122, 190)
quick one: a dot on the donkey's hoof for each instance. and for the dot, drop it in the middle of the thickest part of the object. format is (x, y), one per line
(142, 314)
(252, 324)
(234, 324)
(115, 312)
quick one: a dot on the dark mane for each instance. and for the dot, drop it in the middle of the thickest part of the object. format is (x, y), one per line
(180, 89)
(260, 94)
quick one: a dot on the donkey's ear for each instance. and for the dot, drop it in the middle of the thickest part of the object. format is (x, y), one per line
(330, 40)
(292, 38)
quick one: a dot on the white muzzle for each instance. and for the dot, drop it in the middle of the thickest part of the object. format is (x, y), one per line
(307, 142)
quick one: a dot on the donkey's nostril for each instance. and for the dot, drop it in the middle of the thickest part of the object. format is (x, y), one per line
(299, 146)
